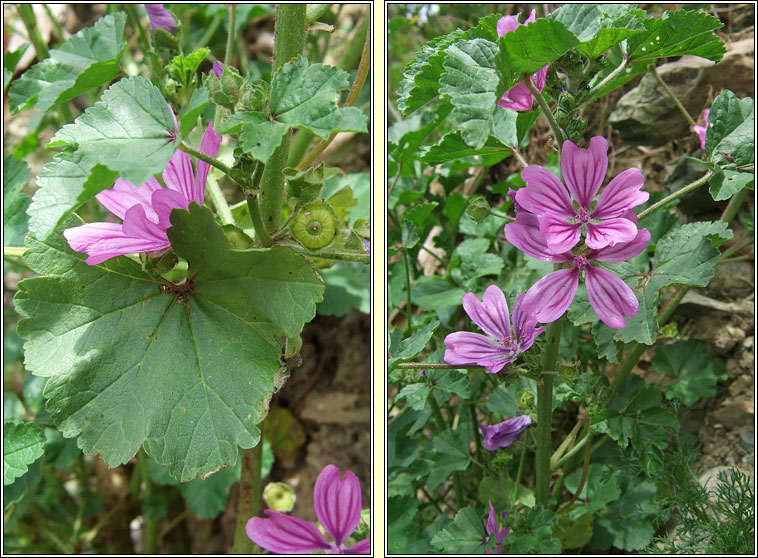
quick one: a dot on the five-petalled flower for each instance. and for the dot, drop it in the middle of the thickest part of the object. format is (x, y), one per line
(337, 501)
(504, 342)
(565, 216)
(518, 97)
(505, 433)
(145, 209)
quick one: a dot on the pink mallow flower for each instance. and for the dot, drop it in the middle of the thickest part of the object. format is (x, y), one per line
(144, 210)
(492, 529)
(160, 18)
(505, 342)
(504, 434)
(563, 218)
(609, 296)
(519, 97)
(337, 502)
(700, 130)
(218, 69)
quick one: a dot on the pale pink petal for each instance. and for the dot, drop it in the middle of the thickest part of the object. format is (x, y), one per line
(610, 297)
(103, 241)
(208, 146)
(524, 320)
(491, 315)
(283, 534)
(525, 235)
(700, 131)
(337, 502)
(464, 347)
(124, 195)
(362, 547)
(165, 200)
(622, 252)
(540, 77)
(584, 170)
(544, 193)
(560, 235)
(622, 193)
(610, 232)
(178, 175)
(552, 295)
(532, 17)
(137, 225)
(517, 98)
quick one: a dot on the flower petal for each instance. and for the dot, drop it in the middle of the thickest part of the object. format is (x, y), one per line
(362, 547)
(178, 175)
(610, 232)
(584, 170)
(218, 69)
(552, 295)
(621, 193)
(524, 321)
(124, 195)
(544, 193)
(103, 241)
(517, 98)
(337, 502)
(283, 534)
(504, 434)
(209, 146)
(464, 347)
(624, 251)
(560, 235)
(137, 225)
(160, 18)
(525, 235)
(491, 315)
(610, 297)
(165, 200)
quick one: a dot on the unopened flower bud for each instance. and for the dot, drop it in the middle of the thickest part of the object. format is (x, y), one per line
(478, 208)
(525, 400)
(279, 496)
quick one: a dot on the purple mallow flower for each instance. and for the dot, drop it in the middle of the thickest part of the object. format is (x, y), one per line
(500, 534)
(519, 97)
(504, 434)
(563, 218)
(504, 342)
(337, 502)
(609, 296)
(700, 130)
(160, 18)
(144, 210)
(218, 69)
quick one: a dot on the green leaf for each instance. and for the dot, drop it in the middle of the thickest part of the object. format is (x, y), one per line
(686, 255)
(452, 147)
(403, 534)
(432, 293)
(415, 394)
(347, 287)
(537, 537)
(503, 401)
(411, 346)
(529, 48)
(87, 60)
(190, 114)
(470, 83)
(697, 372)
(626, 524)
(465, 535)
(208, 497)
(407, 135)
(182, 68)
(23, 444)
(451, 453)
(10, 61)
(15, 202)
(725, 183)
(601, 486)
(259, 136)
(733, 128)
(186, 373)
(474, 261)
(676, 34)
(600, 26)
(127, 132)
(574, 534)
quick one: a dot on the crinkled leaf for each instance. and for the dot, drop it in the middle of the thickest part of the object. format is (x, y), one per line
(529, 48)
(451, 453)
(15, 202)
(725, 183)
(259, 136)
(626, 524)
(87, 60)
(17, 491)
(186, 374)
(432, 293)
(676, 34)
(733, 128)
(686, 255)
(470, 83)
(23, 444)
(472, 261)
(188, 117)
(10, 61)
(537, 537)
(411, 346)
(127, 132)
(600, 26)
(465, 535)
(181, 68)
(401, 526)
(452, 147)
(696, 371)
(406, 136)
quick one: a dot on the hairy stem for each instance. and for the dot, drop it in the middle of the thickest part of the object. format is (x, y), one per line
(670, 93)
(546, 111)
(249, 499)
(609, 78)
(442, 365)
(676, 195)
(289, 41)
(229, 50)
(342, 255)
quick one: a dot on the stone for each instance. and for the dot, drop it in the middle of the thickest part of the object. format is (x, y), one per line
(731, 280)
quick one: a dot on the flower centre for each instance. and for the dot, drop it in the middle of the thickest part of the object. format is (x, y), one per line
(511, 345)
(580, 262)
(582, 215)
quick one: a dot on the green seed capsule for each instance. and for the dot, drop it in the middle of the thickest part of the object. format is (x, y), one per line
(315, 226)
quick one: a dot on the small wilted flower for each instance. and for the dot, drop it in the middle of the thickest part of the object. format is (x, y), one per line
(160, 18)
(700, 130)
(518, 97)
(504, 434)
(492, 529)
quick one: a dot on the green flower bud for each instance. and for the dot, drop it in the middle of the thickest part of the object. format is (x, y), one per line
(576, 128)
(478, 208)
(279, 496)
(562, 117)
(164, 39)
(525, 400)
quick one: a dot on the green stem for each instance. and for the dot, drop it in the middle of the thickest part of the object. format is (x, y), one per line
(442, 365)
(342, 255)
(151, 525)
(249, 499)
(14, 251)
(503, 216)
(408, 307)
(210, 160)
(437, 414)
(565, 444)
(30, 22)
(573, 451)
(545, 411)
(215, 22)
(229, 50)
(314, 12)
(520, 471)
(352, 98)
(545, 110)
(585, 470)
(734, 206)
(609, 78)
(289, 41)
(678, 194)
(55, 22)
(670, 93)
(255, 216)
(477, 435)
